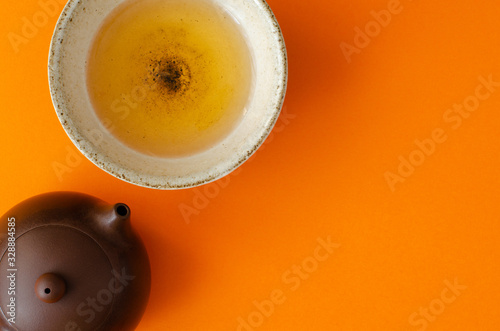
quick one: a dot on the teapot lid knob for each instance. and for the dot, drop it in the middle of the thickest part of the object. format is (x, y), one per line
(50, 288)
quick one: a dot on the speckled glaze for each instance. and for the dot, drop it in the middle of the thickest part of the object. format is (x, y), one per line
(74, 33)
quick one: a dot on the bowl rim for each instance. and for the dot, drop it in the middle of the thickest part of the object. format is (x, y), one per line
(111, 167)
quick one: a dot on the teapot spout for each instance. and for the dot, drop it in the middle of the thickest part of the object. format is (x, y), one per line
(122, 211)
(116, 218)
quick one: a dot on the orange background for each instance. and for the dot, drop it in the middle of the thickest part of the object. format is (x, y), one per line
(321, 176)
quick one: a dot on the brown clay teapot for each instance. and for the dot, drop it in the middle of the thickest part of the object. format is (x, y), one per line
(71, 262)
